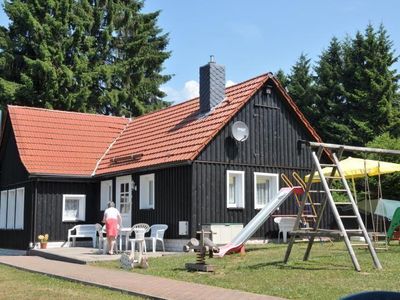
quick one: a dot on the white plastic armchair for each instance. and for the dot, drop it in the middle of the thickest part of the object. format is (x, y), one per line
(157, 234)
(139, 229)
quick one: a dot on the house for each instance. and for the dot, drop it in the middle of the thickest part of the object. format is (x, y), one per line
(181, 165)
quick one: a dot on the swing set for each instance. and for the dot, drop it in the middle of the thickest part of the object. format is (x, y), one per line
(375, 210)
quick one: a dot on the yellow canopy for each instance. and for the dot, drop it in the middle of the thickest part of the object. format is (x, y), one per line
(358, 167)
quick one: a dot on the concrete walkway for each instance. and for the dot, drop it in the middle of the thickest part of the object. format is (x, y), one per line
(133, 283)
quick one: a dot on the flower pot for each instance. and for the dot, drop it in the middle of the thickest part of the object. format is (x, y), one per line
(43, 245)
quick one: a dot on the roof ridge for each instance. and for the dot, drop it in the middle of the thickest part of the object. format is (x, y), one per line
(109, 147)
(196, 98)
(63, 111)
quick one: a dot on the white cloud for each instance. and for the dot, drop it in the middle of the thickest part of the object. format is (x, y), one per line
(189, 91)
(229, 83)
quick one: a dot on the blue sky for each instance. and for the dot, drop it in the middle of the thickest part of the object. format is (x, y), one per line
(256, 36)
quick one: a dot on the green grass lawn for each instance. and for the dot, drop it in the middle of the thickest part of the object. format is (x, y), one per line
(329, 274)
(17, 284)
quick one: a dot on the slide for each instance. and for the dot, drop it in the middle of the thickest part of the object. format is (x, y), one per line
(394, 224)
(237, 243)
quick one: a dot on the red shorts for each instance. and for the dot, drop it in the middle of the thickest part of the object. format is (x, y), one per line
(112, 227)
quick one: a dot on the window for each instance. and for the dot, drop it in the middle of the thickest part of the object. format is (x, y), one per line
(124, 198)
(74, 208)
(105, 194)
(265, 188)
(19, 209)
(147, 191)
(235, 189)
(11, 209)
(3, 210)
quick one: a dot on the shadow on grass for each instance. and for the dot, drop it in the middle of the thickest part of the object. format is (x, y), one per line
(308, 266)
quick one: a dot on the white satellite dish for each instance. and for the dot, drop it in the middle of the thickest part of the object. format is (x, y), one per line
(239, 131)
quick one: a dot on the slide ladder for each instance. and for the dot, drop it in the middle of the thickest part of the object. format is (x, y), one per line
(237, 243)
(326, 181)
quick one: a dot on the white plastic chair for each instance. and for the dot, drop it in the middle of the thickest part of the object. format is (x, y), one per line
(285, 224)
(140, 230)
(101, 238)
(157, 234)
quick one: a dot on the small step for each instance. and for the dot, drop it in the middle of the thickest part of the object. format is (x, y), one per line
(317, 203)
(353, 230)
(317, 191)
(342, 203)
(308, 216)
(327, 165)
(338, 190)
(348, 217)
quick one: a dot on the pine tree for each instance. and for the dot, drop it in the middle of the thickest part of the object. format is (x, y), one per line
(82, 55)
(301, 88)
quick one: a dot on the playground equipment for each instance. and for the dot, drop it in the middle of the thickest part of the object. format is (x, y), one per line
(202, 247)
(310, 213)
(334, 152)
(378, 210)
(237, 243)
(394, 224)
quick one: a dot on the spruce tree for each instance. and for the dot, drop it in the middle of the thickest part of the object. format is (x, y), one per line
(301, 88)
(282, 77)
(370, 85)
(82, 55)
(330, 99)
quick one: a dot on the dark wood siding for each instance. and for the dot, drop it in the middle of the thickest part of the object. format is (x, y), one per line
(14, 175)
(49, 207)
(172, 199)
(271, 147)
(12, 169)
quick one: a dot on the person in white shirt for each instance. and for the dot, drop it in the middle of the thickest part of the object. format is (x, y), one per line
(112, 219)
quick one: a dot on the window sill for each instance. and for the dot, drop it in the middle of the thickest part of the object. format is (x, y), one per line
(72, 220)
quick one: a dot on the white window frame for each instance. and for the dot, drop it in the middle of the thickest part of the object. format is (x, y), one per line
(241, 202)
(146, 193)
(19, 208)
(3, 209)
(273, 187)
(82, 207)
(106, 190)
(12, 195)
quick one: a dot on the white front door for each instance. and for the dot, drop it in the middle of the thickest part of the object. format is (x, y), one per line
(124, 199)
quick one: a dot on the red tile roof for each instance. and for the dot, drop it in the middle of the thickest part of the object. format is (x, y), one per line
(60, 142)
(66, 143)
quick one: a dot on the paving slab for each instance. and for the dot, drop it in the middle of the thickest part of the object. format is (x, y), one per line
(83, 255)
(129, 282)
